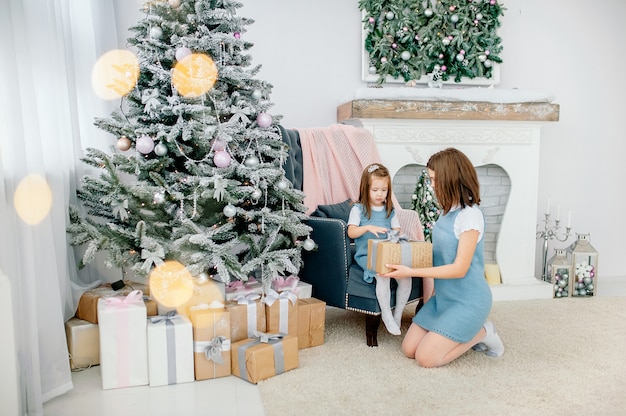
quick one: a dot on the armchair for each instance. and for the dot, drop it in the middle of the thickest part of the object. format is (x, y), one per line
(335, 277)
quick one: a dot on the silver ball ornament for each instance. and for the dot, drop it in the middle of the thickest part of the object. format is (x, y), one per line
(454, 18)
(256, 95)
(308, 244)
(487, 63)
(251, 161)
(428, 12)
(445, 41)
(156, 32)
(256, 194)
(229, 210)
(406, 55)
(372, 70)
(160, 149)
(390, 15)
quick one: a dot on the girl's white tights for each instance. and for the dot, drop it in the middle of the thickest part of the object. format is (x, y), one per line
(402, 297)
(383, 294)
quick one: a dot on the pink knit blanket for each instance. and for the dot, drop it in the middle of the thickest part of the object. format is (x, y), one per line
(333, 159)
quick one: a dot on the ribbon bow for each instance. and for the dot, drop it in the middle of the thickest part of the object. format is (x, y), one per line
(265, 337)
(168, 317)
(248, 299)
(151, 100)
(219, 184)
(213, 351)
(289, 283)
(273, 296)
(239, 114)
(118, 301)
(152, 257)
(394, 236)
(119, 208)
(240, 285)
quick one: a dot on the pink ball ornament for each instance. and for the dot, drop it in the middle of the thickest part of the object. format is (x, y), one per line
(264, 120)
(443, 68)
(394, 45)
(492, 2)
(144, 144)
(221, 159)
(219, 145)
(371, 20)
(123, 143)
(182, 52)
(237, 35)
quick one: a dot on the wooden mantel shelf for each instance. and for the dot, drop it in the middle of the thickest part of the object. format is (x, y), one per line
(447, 110)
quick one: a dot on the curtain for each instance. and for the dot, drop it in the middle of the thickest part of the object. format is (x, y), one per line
(47, 111)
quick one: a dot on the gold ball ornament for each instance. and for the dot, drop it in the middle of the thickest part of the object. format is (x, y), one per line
(123, 143)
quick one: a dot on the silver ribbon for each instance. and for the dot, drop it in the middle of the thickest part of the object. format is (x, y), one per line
(150, 99)
(240, 114)
(152, 257)
(170, 339)
(394, 236)
(119, 209)
(260, 337)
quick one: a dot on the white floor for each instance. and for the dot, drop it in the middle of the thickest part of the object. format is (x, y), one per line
(227, 396)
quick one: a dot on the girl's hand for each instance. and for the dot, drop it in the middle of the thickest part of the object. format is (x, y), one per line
(376, 230)
(399, 271)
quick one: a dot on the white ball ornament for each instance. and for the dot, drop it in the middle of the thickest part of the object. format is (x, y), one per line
(414, 197)
(182, 52)
(229, 210)
(406, 55)
(282, 184)
(174, 3)
(308, 244)
(160, 149)
(460, 57)
(144, 144)
(479, 16)
(256, 194)
(454, 18)
(256, 95)
(487, 63)
(156, 32)
(445, 41)
(372, 70)
(390, 15)
(428, 12)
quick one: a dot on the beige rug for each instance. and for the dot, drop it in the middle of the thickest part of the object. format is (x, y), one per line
(563, 357)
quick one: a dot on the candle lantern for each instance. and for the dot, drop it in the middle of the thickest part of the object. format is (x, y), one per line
(560, 270)
(584, 260)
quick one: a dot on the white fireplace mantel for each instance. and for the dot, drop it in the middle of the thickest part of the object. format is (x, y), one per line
(508, 135)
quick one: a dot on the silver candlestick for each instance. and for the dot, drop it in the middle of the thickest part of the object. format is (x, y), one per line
(550, 233)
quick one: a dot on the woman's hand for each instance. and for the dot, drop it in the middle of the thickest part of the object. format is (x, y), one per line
(399, 271)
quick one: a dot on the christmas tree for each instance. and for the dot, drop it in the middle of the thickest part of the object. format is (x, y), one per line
(425, 204)
(409, 38)
(196, 175)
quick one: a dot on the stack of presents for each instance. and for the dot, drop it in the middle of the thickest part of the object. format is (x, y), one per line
(250, 334)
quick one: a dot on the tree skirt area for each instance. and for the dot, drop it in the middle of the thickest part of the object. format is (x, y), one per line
(563, 357)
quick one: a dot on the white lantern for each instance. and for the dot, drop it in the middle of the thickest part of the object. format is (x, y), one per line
(584, 260)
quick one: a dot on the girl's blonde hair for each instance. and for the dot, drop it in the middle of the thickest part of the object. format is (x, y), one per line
(379, 171)
(456, 180)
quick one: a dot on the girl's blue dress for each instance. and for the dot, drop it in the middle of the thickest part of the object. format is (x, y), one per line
(380, 219)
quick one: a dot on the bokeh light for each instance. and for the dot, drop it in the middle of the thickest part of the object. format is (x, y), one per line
(194, 75)
(204, 292)
(32, 199)
(171, 284)
(115, 74)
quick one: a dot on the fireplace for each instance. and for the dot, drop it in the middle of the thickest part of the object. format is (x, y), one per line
(507, 135)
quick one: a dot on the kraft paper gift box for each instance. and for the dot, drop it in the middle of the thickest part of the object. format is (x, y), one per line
(237, 288)
(170, 350)
(281, 311)
(88, 303)
(292, 283)
(388, 251)
(264, 356)
(123, 341)
(204, 291)
(83, 343)
(311, 322)
(211, 340)
(247, 316)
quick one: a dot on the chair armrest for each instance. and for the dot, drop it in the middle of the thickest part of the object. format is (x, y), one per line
(326, 267)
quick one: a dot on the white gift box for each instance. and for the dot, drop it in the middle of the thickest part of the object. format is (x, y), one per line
(123, 341)
(170, 350)
(293, 284)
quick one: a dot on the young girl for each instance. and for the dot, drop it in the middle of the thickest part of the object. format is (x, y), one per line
(454, 319)
(373, 216)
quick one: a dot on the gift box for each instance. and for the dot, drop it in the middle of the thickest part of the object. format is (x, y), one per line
(292, 283)
(238, 288)
(281, 312)
(83, 343)
(123, 341)
(204, 291)
(409, 253)
(247, 316)
(211, 340)
(88, 303)
(311, 322)
(170, 350)
(264, 356)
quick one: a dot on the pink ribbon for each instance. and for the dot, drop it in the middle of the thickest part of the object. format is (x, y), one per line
(240, 285)
(121, 301)
(290, 283)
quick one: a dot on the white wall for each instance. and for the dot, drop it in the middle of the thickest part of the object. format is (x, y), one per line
(311, 52)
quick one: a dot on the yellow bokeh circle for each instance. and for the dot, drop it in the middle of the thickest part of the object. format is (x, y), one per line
(171, 284)
(115, 74)
(194, 75)
(32, 199)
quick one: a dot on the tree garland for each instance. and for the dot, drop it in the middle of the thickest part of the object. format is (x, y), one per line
(445, 38)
